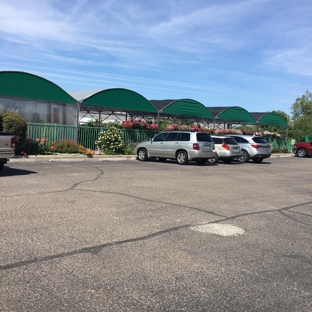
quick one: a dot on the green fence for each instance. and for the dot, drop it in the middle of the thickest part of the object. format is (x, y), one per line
(280, 144)
(85, 136)
(51, 132)
(88, 135)
(308, 138)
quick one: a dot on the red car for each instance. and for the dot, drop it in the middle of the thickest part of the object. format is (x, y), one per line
(303, 149)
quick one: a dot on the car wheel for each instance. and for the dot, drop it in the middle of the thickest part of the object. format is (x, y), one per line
(161, 159)
(302, 152)
(244, 158)
(142, 154)
(212, 160)
(182, 158)
(201, 161)
(1, 167)
(257, 160)
(227, 160)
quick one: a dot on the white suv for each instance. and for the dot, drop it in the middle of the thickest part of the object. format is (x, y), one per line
(180, 145)
(253, 147)
(227, 148)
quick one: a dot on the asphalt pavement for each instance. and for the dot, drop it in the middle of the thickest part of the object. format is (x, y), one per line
(152, 236)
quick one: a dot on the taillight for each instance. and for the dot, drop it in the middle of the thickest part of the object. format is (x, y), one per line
(12, 143)
(226, 146)
(256, 146)
(196, 147)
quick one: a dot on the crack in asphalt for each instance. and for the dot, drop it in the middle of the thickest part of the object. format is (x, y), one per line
(96, 249)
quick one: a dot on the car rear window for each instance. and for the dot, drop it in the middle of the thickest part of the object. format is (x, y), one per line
(203, 137)
(217, 140)
(259, 140)
(231, 141)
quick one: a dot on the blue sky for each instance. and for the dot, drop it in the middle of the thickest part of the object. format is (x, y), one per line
(256, 54)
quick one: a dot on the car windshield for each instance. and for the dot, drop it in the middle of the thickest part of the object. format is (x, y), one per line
(259, 140)
(230, 141)
(203, 137)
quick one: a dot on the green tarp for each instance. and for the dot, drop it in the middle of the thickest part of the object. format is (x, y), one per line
(30, 87)
(119, 99)
(185, 108)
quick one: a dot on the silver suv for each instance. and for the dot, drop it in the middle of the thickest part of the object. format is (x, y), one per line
(253, 147)
(180, 145)
(227, 148)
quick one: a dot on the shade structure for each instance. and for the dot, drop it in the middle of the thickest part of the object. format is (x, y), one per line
(36, 99)
(23, 85)
(183, 108)
(269, 119)
(231, 114)
(114, 100)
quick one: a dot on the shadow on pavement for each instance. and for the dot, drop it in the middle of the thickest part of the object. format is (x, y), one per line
(7, 172)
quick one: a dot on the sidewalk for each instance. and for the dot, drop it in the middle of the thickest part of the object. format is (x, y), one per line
(81, 157)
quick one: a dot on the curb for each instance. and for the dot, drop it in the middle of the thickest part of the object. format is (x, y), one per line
(84, 158)
(72, 158)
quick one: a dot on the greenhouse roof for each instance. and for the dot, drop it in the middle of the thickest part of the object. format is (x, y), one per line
(115, 99)
(182, 108)
(269, 119)
(14, 84)
(231, 114)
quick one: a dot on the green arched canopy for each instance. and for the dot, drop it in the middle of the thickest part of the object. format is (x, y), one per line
(183, 108)
(14, 84)
(269, 119)
(231, 114)
(118, 99)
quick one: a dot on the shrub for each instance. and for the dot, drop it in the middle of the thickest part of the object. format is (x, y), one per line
(65, 146)
(110, 141)
(129, 148)
(13, 122)
(37, 147)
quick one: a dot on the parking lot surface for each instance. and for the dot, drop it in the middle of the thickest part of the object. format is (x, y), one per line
(151, 236)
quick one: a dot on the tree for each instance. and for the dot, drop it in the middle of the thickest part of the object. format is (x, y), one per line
(302, 117)
(302, 106)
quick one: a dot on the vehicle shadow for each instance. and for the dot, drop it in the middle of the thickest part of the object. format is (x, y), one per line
(190, 163)
(7, 172)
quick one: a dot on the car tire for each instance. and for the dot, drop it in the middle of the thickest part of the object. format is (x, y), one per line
(201, 161)
(244, 158)
(213, 160)
(1, 166)
(142, 154)
(182, 157)
(257, 160)
(302, 152)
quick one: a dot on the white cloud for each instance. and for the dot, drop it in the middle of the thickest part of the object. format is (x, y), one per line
(204, 47)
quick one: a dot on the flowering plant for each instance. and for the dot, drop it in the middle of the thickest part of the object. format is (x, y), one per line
(36, 147)
(127, 124)
(137, 124)
(110, 140)
(152, 126)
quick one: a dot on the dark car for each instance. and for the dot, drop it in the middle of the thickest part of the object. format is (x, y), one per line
(303, 149)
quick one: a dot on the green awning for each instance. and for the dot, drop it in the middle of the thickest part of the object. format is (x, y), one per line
(231, 114)
(269, 119)
(118, 99)
(27, 86)
(185, 108)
